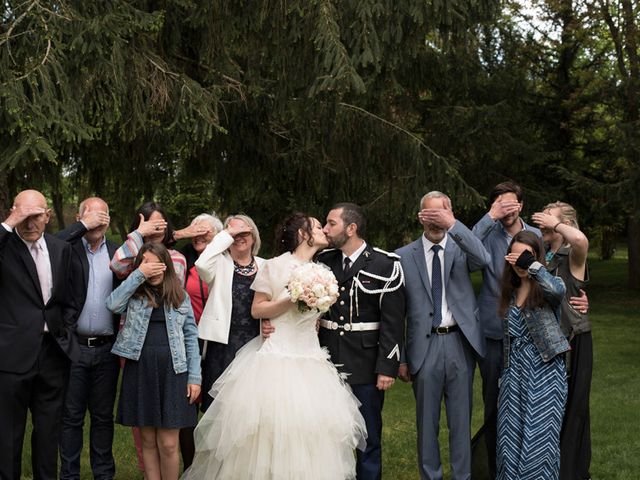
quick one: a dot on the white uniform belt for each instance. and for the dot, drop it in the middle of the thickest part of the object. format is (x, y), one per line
(355, 327)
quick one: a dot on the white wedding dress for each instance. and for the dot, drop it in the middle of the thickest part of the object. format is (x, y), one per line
(281, 409)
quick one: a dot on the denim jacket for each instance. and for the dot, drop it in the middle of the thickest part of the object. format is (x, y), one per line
(181, 328)
(542, 322)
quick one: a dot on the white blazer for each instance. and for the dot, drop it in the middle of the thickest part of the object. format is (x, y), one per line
(215, 267)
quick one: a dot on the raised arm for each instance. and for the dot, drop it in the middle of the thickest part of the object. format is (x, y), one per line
(207, 263)
(552, 286)
(471, 245)
(573, 236)
(122, 261)
(119, 299)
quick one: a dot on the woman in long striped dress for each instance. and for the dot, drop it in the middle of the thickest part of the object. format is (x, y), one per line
(533, 387)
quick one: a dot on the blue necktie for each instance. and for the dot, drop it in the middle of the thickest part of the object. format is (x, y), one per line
(436, 286)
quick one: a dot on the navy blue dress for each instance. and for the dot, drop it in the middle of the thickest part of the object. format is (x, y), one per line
(243, 328)
(152, 394)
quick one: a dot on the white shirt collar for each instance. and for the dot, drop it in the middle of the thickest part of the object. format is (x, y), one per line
(40, 242)
(354, 256)
(427, 244)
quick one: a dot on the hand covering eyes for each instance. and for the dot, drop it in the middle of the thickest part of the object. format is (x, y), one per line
(525, 260)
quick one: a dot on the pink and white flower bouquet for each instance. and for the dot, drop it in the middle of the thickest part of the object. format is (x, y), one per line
(313, 287)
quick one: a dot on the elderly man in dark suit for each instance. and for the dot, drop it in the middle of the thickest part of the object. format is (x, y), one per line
(363, 330)
(94, 377)
(444, 335)
(37, 339)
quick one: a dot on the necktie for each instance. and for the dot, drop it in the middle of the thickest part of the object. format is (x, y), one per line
(436, 286)
(43, 271)
(347, 264)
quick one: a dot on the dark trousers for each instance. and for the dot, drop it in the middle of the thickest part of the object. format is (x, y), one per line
(490, 370)
(93, 383)
(575, 438)
(40, 390)
(369, 462)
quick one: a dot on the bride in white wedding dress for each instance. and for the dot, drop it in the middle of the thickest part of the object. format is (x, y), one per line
(281, 410)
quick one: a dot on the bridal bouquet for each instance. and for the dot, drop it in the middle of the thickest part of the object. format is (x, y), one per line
(313, 287)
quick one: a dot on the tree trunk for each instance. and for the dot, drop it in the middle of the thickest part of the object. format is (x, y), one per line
(632, 121)
(57, 196)
(5, 201)
(607, 242)
(565, 84)
(633, 229)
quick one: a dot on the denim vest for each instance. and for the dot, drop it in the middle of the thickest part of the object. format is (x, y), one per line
(542, 322)
(181, 328)
(572, 321)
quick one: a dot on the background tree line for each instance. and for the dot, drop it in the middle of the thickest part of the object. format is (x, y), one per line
(265, 107)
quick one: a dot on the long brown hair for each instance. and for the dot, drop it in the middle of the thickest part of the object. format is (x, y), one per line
(510, 279)
(170, 291)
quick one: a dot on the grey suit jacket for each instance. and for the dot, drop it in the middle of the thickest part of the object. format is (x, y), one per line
(464, 253)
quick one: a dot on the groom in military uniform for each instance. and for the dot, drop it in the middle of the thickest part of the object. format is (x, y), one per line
(363, 330)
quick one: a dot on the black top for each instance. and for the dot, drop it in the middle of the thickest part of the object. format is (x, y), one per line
(365, 354)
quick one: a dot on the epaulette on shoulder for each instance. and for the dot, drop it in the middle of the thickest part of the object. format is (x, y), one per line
(388, 254)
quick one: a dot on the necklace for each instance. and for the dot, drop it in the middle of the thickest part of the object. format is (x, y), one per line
(549, 255)
(245, 270)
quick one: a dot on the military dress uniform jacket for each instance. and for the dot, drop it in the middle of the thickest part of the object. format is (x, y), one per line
(363, 354)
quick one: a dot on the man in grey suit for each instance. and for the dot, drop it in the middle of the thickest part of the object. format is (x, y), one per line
(443, 332)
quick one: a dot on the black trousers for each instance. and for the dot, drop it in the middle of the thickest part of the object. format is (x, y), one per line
(40, 390)
(491, 370)
(575, 437)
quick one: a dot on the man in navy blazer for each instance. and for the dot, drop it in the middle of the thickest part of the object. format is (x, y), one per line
(444, 335)
(37, 335)
(94, 377)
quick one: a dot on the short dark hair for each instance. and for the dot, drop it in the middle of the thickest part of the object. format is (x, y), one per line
(352, 213)
(146, 209)
(506, 187)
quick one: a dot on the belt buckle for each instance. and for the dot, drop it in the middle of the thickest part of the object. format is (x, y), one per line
(442, 330)
(334, 325)
(347, 327)
(90, 341)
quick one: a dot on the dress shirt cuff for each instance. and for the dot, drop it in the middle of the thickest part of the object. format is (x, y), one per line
(7, 227)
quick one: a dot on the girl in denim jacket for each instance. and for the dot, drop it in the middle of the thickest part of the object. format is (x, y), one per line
(533, 386)
(161, 377)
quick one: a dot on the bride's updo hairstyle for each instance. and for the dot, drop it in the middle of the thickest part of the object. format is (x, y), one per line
(288, 232)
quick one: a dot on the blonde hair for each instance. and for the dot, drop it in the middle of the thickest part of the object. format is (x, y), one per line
(567, 213)
(254, 230)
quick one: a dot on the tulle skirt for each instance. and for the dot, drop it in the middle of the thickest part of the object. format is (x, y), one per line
(278, 417)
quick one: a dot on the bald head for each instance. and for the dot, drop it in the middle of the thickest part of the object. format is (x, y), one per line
(30, 198)
(29, 215)
(94, 213)
(92, 204)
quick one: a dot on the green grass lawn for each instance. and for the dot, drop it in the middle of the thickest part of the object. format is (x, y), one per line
(615, 396)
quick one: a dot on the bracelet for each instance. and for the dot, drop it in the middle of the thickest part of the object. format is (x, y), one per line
(555, 229)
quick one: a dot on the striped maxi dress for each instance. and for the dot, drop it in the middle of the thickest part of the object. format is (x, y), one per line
(530, 409)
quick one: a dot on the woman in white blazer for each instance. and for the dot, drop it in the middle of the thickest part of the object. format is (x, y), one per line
(228, 265)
